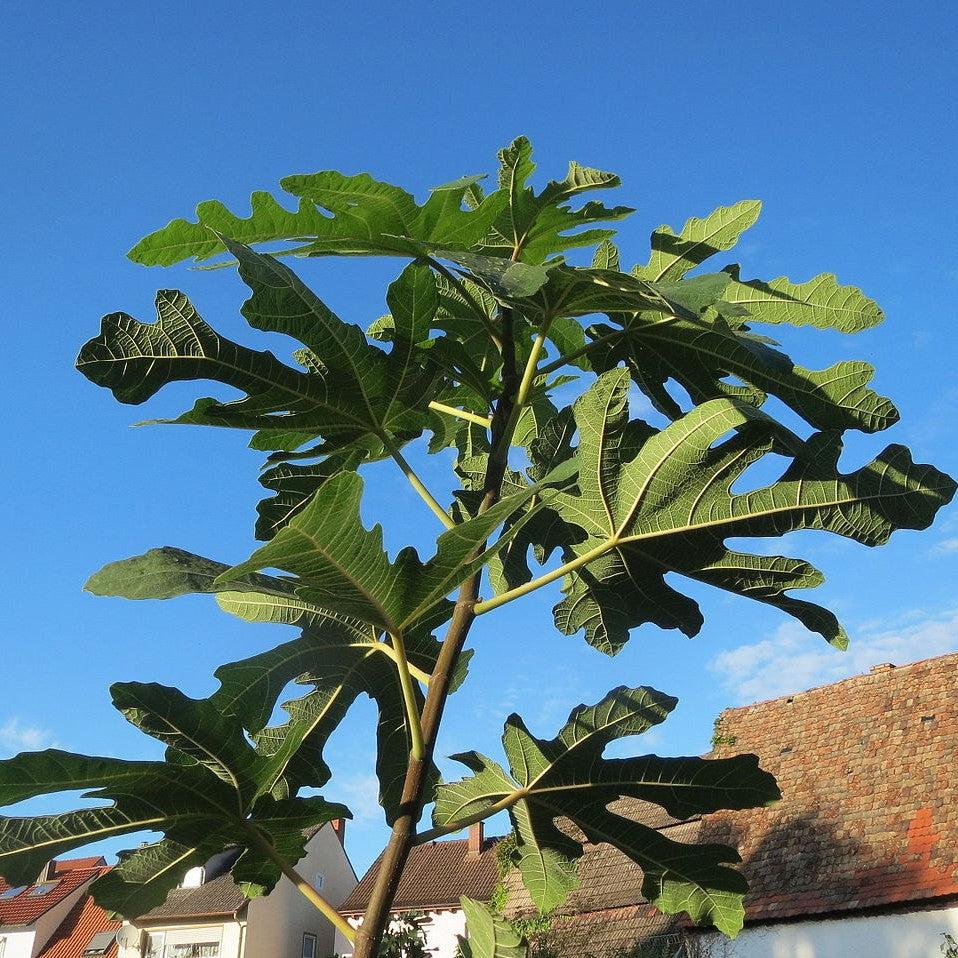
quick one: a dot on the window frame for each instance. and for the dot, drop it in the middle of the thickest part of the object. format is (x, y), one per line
(42, 888)
(308, 936)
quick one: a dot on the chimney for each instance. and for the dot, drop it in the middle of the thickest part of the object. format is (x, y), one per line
(882, 667)
(339, 827)
(476, 834)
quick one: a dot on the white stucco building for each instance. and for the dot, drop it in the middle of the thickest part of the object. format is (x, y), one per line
(209, 917)
(436, 875)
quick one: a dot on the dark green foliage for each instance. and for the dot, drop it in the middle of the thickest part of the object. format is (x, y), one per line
(485, 322)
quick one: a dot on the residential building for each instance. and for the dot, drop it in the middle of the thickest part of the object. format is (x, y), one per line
(208, 916)
(436, 875)
(54, 917)
(860, 857)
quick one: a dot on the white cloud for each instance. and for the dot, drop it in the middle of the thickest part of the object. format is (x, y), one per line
(947, 545)
(18, 736)
(360, 793)
(793, 659)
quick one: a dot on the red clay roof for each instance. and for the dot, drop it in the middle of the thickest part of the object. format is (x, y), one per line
(85, 920)
(869, 809)
(435, 876)
(60, 868)
(25, 908)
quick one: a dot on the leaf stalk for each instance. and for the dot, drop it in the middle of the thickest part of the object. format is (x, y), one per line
(417, 748)
(417, 483)
(303, 886)
(461, 414)
(489, 604)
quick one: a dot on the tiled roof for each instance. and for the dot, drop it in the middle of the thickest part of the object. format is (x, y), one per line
(435, 876)
(60, 868)
(85, 920)
(869, 809)
(218, 898)
(25, 908)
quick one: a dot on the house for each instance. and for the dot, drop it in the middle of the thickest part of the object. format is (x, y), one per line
(436, 875)
(860, 857)
(55, 917)
(208, 916)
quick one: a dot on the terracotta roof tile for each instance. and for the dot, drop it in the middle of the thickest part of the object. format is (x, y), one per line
(436, 875)
(869, 810)
(85, 920)
(25, 909)
(59, 868)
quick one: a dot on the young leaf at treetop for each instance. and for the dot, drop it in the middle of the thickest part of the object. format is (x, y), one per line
(567, 777)
(674, 255)
(367, 218)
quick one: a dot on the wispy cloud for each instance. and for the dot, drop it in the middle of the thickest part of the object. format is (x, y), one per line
(947, 546)
(790, 660)
(360, 793)
(19, 736)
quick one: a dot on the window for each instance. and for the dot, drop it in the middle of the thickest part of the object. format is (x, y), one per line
(199, 949)
(12, 893)
(38, 890)
(309, 946)
(3, 946)
(319, 880)
(99, 943)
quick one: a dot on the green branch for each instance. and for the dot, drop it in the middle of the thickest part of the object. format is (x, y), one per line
(581, 351)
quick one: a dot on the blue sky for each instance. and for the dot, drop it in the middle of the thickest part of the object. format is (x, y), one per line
(114, 118)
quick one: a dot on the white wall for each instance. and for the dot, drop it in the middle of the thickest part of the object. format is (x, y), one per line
(276, 924)
(442, 929)
(912, 935)
(19, 944)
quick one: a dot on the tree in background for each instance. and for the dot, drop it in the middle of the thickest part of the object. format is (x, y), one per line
(486, 321)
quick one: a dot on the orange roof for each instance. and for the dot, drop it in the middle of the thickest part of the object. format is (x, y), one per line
(25, 908)
(77, 864)
(85, 920)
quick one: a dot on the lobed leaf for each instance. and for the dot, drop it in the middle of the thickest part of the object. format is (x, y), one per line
(649, 503)
(566, 778)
